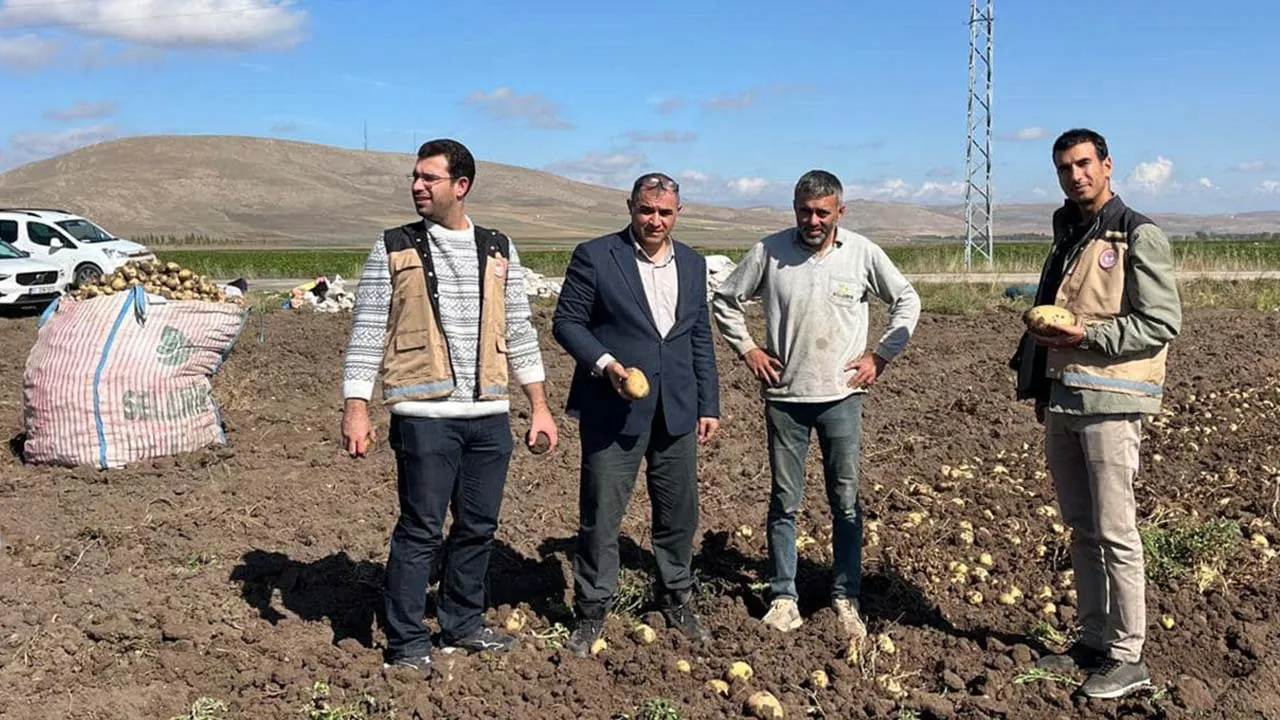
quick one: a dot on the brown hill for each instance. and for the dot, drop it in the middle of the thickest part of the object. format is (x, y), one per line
(285, 192)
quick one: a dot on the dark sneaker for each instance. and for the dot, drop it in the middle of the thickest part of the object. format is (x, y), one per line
(484, 639)
(686, 621)
(1079, 657)
(588, 631)
(421, 664)
(1114, 679)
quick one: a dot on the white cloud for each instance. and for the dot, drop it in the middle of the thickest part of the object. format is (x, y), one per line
(96, 54)
(610, 169)
(1251, 166)
(35, 144)
(1270, 187)
(82, 111)
(901, 190)
(28, 52)
(931, 190)
(1207, 184)
(744, 99)
(748, 186)
(1026, 134)
(1152, 176)
(239, 24)
(662, 136)
(505, 104)
(666, 106)
(1039, 191)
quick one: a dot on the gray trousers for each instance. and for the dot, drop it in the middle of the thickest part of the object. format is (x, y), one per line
(1093, 460)
(610, 464)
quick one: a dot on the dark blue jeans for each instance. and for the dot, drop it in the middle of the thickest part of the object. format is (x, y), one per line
(839, 428)
(442, 465)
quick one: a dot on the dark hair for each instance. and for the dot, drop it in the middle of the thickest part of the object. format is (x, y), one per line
(649, 181)
(461, 163)
(818, 184)
(1071, 138)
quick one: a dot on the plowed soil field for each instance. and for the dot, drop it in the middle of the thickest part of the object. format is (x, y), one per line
(244, 581)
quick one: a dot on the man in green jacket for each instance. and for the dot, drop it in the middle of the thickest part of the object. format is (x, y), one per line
(1092, 381)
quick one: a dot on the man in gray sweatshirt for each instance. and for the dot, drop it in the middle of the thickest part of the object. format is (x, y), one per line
(813, 281)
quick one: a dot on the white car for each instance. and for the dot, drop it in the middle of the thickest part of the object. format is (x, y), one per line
(82, 249)
(24, 281)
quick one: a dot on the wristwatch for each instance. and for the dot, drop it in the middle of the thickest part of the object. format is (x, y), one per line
(1084, 342)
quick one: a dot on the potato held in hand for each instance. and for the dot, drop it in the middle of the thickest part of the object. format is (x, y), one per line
(636, 386)
(539, 446)
(1045, 319)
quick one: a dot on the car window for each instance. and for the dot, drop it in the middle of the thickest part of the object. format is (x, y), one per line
(84, 230)
(41, 234)
(9, 231)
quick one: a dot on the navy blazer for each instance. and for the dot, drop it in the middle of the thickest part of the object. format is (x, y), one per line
(602, 308)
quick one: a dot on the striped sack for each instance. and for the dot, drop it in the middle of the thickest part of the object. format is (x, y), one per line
(121, 378)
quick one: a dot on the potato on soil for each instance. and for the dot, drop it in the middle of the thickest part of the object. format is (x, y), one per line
(514, 622)
(739, 671)
(819, 679)
(718, 687)
(644, 634)
(684, 666)
(598, 646)
(764, 706)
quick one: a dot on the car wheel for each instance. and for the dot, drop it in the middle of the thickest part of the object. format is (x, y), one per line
(86, 274)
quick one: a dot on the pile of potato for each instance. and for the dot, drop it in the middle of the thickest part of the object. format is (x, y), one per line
(166, 279)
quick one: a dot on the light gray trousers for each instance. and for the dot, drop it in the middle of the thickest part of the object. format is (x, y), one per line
(1093, 460)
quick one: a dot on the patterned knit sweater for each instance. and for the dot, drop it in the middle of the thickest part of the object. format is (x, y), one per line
(453, 255)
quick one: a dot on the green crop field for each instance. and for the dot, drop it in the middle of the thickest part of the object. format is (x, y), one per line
(934, 258)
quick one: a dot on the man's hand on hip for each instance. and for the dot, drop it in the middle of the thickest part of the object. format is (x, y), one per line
(766, 368)
(357, 431)
(707, 427)
(866, 370)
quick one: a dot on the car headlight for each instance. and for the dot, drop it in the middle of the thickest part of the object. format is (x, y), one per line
(115, 254)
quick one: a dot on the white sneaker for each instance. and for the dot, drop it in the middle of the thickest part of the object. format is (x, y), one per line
(847, 612)
(783, 615)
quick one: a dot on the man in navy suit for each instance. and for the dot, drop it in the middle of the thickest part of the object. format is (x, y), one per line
(638, 298)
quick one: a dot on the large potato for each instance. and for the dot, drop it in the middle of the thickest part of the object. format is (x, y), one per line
(1046, 319)
(765, 706)
(636, 386)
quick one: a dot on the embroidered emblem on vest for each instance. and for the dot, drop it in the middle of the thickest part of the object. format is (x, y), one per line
(1107, 259)
(499, 267)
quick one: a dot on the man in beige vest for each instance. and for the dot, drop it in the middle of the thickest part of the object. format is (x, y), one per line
(1092, 383)
(442, 320)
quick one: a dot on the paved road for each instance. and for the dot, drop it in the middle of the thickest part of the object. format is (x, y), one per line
(284, 285)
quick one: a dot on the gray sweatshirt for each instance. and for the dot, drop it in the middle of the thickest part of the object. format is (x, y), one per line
(815, 310)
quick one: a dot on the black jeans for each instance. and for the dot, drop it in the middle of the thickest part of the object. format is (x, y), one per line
(610, 464)
(442, 464)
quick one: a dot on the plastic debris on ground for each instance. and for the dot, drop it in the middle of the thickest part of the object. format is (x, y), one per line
(322, 295)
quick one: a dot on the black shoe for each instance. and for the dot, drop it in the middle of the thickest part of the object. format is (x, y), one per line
(484, 639)
(1114, 679)
(686, 621)
(1078, 657)
(421, 663)
(584, 635)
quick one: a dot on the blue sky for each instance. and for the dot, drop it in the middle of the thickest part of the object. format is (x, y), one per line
(737, 99)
